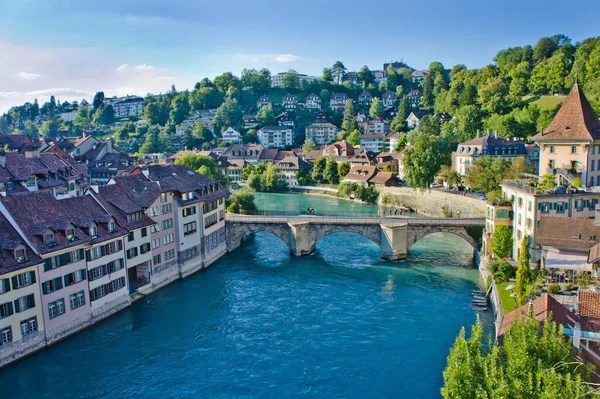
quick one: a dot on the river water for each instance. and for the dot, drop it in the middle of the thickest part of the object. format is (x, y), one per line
(259, 324)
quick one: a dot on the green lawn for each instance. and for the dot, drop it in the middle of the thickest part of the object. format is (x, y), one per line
(509, 303)
(546, 102)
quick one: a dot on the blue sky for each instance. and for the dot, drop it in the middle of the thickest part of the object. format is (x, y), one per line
(72, 48)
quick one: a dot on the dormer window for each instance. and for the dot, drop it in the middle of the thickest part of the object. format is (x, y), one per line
(93, 231)
(49, 238)
(70, 233)
(20, 255)
(111, 227)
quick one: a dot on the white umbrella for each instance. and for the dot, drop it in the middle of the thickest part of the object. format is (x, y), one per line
(510, 287)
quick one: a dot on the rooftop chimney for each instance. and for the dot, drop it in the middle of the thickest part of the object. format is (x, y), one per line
(496, 134)
(109, 146)
(2, 159)
(478, 133)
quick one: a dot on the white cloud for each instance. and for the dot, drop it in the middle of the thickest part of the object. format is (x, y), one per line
(122, 67)
(286, 58)
(27, 75)
(165, 78)
(144, 67)
(45, 92)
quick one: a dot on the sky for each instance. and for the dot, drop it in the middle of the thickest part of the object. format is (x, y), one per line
(73, 48)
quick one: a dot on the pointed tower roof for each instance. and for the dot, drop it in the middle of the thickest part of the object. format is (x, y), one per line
(575, 120)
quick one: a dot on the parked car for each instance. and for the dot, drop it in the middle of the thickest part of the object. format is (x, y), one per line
(482, 197)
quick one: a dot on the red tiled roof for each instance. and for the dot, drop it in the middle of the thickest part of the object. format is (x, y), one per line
(541, 309)
(575, 120)
(562, 231)
(589, 310)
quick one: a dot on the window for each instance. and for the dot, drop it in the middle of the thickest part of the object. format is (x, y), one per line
(154, 228)
(134, 217)
(552, 149)
(52, 285)
(573, 149)
(552, 164)
(132, 253)
(167, 208)
(75, 277)
(93, 231)
(131, 236)
(187, 196)
(170, 254)
(5, 335)
(64, 259)
(77, 300)
(23, 280)
(4, 285)
(167, 224)
(6, 309)
(169, 238)
(29, 326)
(116, 285)
(30, 182)
(519, 219)
(520, 202)
(210, 220)
(97, 272)
(156, 260)
(111, 227)
(56, 308)
(115, 265)
(98, 293)
(191, 210)
(144, 248)
(593, 165)
(49, 238)
(155, 243)
(144, 232)
(163, 197)
(70, 233)
(189, 228)
(95, 253)
(24, 303)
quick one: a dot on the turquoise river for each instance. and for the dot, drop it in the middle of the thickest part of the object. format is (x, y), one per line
(259, 324)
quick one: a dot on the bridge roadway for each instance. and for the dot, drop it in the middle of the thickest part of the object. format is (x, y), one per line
(394, 235)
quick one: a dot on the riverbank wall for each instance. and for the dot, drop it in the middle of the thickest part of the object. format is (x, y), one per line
(494, 295)
(430, 202)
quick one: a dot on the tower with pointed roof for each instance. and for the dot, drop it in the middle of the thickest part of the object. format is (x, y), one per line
(571, 143)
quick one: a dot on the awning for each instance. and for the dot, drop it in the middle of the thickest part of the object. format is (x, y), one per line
(567, 261)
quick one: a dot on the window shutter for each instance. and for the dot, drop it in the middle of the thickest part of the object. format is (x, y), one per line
(30, 301)
(81, 254)
(6, 283)
(17, 306)
(14, 281)
(566, 206)
(32, 277)
(90, 275)
(88, 255)
(10, 308)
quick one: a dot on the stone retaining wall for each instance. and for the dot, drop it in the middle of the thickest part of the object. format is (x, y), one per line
(494, 295)
(430, 202)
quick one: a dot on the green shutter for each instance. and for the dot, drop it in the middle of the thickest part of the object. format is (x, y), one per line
(566, 206)
(14, 281)
(17, 307)
(30, 301)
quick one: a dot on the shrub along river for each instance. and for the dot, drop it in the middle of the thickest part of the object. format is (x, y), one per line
(257, 323)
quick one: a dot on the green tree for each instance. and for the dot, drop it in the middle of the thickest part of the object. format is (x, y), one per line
(376, 109)
(331, 171)
(291, 80)
(229, 114)
(180, 108)
(353, 138)
(464, 125)
(309, 146)
(247, 171)
(318, 169)
(343, 169)
(105, 115)
(502, 241)
(523, 271)
(151, 143)
(349, 121)
(265, 116)
(400, 144)
(339, 71)
(494, 96)
(530, 364)
(49, 128)
(423, 161)
(226, 81)
(327, 75)
(98, 100)
(365, 76)
(242, 202)
(399, 122)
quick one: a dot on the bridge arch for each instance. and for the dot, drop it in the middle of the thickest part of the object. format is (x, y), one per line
(237, 232)
(373, 233)
(417, 234)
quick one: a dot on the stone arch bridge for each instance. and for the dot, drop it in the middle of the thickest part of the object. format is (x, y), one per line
(394, 235)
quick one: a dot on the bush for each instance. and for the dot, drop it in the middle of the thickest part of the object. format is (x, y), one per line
(488, 282)
(567, 287)
(493, 266)
(446, 212)
(584, 280)
(553, 288)
(505, 272)
(537, 292)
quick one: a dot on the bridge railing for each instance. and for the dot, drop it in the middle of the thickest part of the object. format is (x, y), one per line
(383, 213)
(355, 218)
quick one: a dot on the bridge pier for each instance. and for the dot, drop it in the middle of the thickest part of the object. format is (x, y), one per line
(394, 242)
(300, 243)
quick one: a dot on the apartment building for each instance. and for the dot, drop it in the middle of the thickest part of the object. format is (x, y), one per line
(312, 101)
(338, 101)
(232, 135)
(289, 101)
(275, 136)
(129, 106)
(157, 205)
(21, 317)
(321, 133)
(389, 99)
(485, 146)
(570, 145)
(530, 203)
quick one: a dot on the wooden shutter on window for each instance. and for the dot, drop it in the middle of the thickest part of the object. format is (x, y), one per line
(30, 301)
(14, 281)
